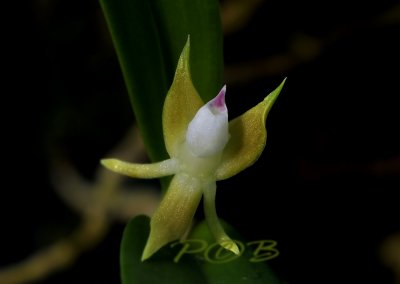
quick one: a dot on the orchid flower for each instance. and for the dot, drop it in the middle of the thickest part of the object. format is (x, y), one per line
(203, 148)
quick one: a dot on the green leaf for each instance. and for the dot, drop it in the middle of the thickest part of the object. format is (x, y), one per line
(148, 37)
(201, 20)
(160, 268)
(238, 270)
(136, 41)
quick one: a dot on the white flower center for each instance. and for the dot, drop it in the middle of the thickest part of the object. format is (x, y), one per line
(207, 133)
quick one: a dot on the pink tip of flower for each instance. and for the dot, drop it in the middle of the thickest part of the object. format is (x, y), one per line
(219, 101)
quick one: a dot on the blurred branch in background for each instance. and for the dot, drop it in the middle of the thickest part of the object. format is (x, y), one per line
(382, 168)
(99, 203)
(302, 48)
(108, 193)
(236, 13)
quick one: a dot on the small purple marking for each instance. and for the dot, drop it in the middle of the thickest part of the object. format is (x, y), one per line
(219, 101)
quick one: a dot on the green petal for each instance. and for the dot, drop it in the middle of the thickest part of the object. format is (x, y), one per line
(181, 104)
(212, 220)
(155, 170)
(173, 217)
(248, 138)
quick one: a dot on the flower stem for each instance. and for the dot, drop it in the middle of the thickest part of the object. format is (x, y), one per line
(212, 219)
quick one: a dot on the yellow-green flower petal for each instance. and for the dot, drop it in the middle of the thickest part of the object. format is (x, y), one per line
(248, 138)
(155, 170)
(181, 104)
(173, 217)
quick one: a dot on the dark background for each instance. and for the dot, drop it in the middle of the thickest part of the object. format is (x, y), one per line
(326, 185)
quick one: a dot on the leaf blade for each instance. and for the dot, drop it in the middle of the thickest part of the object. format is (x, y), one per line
(137, 44)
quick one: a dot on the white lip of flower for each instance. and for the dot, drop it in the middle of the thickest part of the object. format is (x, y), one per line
(207, 133)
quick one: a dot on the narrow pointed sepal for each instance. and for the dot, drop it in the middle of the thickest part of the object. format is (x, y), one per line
(181, 104)
(173, 217)
(248, 138)
(146, 171)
